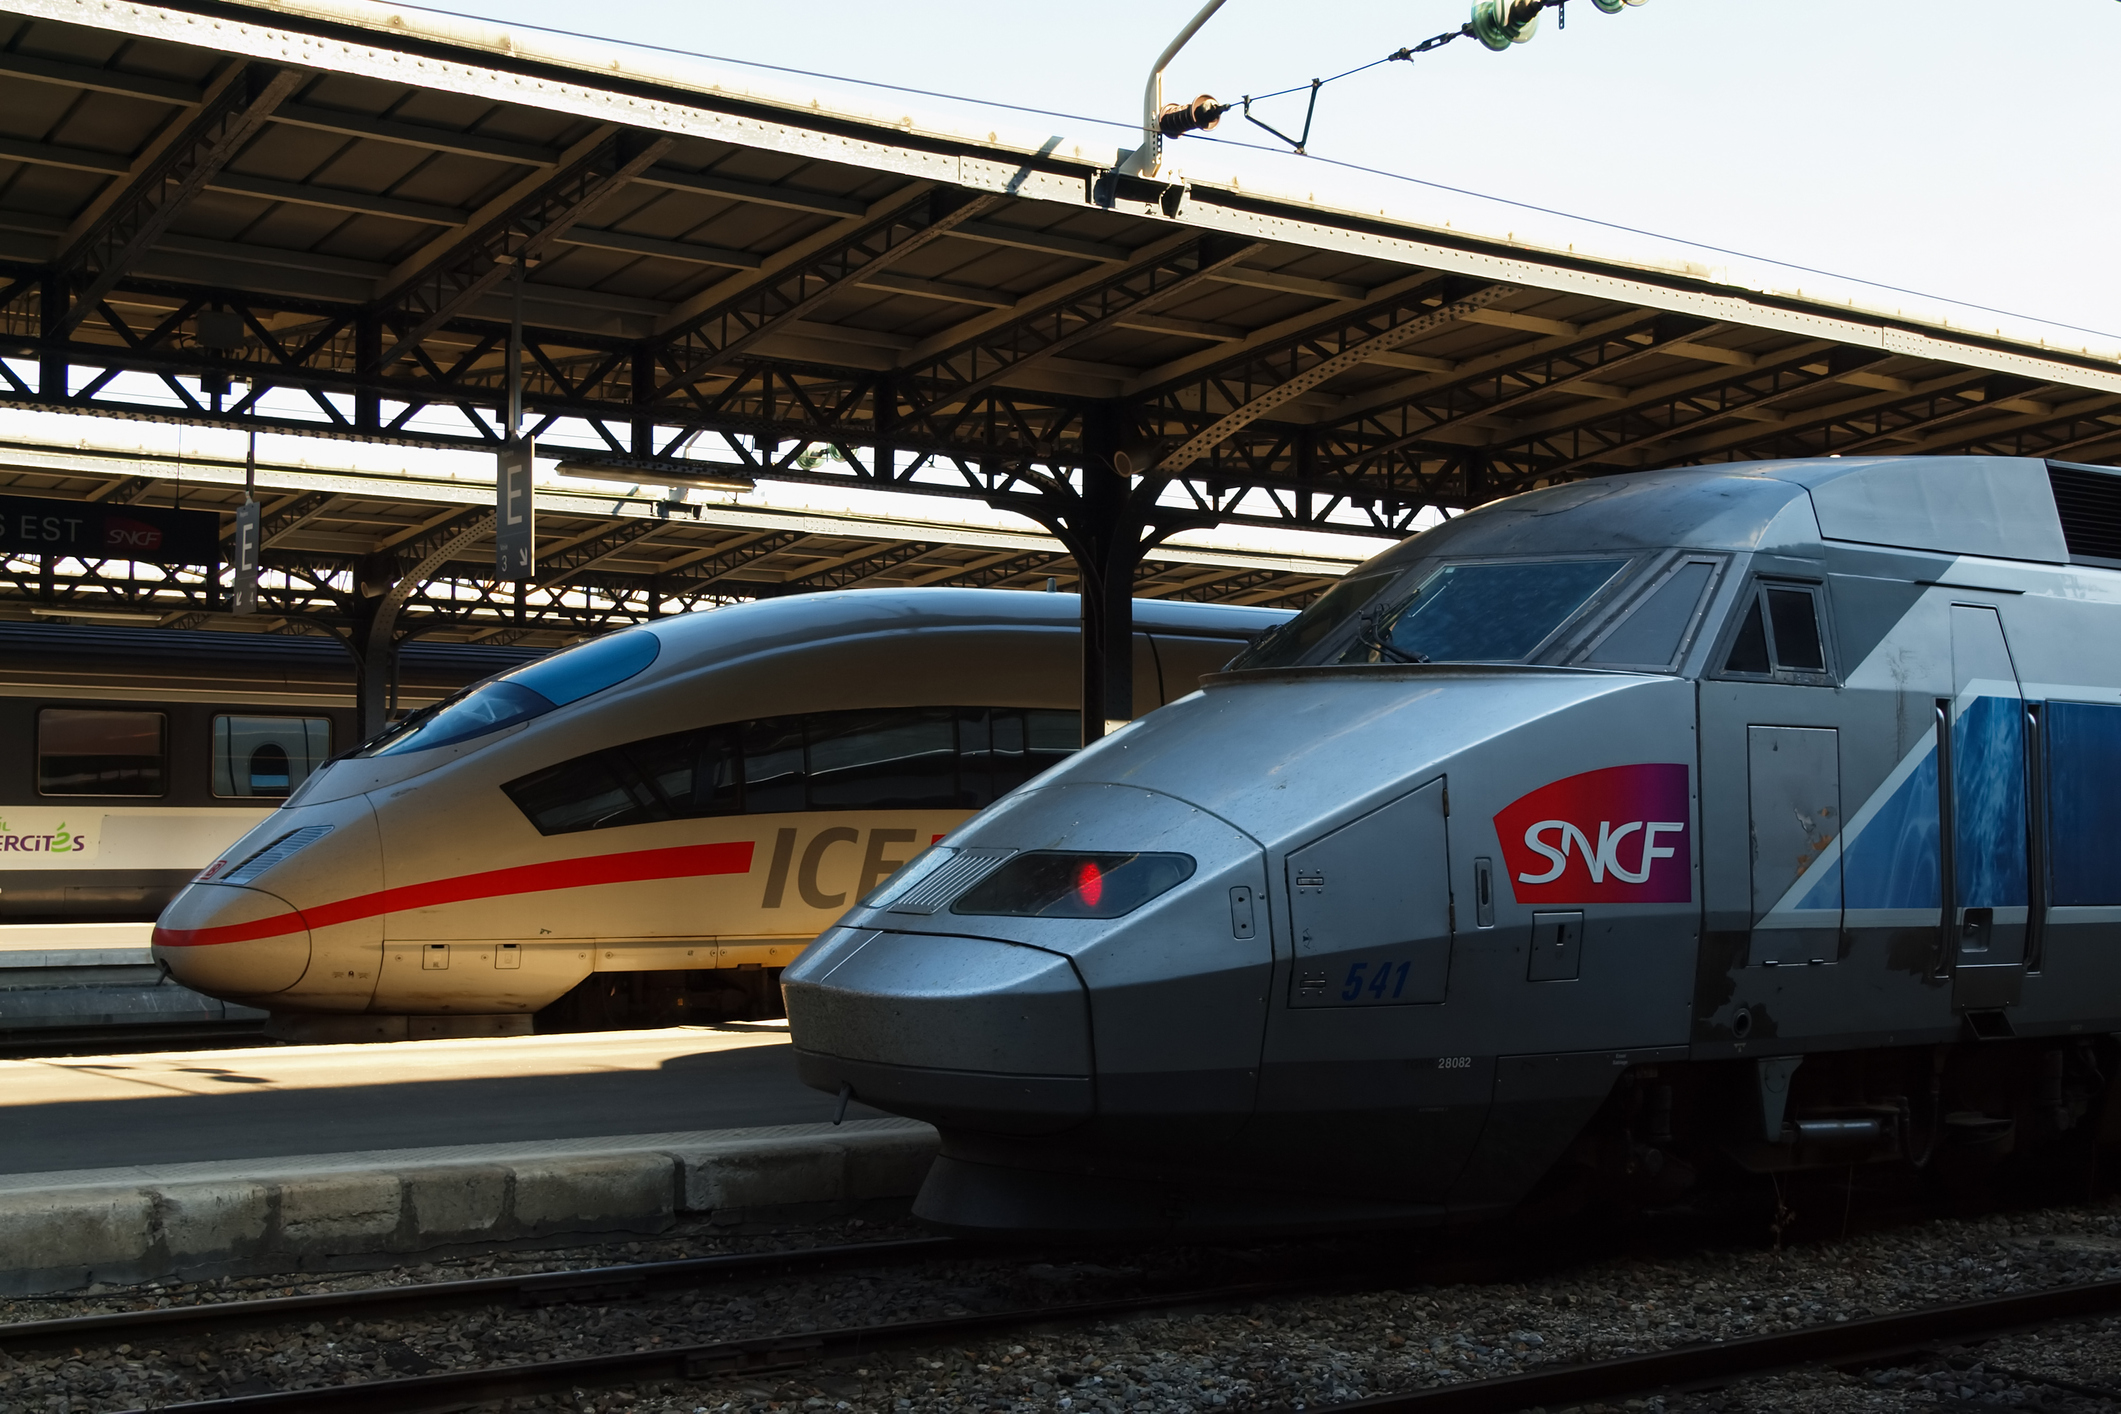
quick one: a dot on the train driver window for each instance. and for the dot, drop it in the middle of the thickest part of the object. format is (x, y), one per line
(1653, 633)
(266, 758)
(85, 751)
(1778, 635)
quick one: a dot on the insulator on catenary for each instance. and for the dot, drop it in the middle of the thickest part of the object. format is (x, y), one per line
(1498, 24)
(1200, 115)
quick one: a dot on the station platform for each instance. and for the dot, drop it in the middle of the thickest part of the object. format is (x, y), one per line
(129, 1168)
(82, 977)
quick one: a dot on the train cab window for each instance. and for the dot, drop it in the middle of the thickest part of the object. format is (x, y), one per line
(1654, 633)
(84, 751)
(904, 758)
(1493, 612)
(530, 691)
(267, 758)
(1778, 635)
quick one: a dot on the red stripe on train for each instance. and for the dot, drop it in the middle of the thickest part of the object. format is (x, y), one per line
(636, 866)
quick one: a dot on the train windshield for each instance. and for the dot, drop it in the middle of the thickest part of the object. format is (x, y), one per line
(529, 691)
(1494, 611)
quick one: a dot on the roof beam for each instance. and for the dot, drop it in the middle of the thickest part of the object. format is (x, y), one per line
(696, 345)
(1209, 362)
(53, 71)
(76, 159)
(1686, 385)
(421, 135)
(727, 559)
(977, 365)
(1811, 419)
(530, 223)
(335, 199)
(688, 251)
(117, 229)
(1580, 362)
(1401, 323)
(557, 569)
(753, 193)
(980, 325)
(291, 515)
(1045, 242)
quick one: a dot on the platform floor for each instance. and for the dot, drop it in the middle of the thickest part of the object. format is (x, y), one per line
(96, 1112)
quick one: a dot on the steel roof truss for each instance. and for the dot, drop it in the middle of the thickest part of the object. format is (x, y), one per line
(115, 232)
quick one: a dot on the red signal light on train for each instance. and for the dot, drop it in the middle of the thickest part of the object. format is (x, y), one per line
(1090, 883)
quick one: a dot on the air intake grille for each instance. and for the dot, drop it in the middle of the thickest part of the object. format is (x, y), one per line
(2089, 502)
(937, 887)
(273, 853)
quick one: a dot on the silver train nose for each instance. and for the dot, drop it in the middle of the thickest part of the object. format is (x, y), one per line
(953, 1030)
(232, 942)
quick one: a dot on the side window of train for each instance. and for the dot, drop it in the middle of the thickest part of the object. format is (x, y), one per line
(1654, 634)
(91, 751)
(903, 758)
(266, 758)
(1778, 636)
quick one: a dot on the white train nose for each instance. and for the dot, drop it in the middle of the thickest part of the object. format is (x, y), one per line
(232, 943)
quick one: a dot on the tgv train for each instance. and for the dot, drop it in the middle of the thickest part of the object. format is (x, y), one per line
(655, 821)
(1758, 817)
(130, 757)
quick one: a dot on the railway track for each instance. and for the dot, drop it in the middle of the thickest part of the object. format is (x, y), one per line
(1867, 1342)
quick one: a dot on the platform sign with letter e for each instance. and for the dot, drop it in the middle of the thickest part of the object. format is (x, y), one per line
(514, 518)
(243, 595)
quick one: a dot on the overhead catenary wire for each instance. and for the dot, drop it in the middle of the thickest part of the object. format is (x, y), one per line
(1132, 125)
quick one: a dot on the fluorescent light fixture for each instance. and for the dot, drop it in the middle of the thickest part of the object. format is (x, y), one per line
(662, 471)
(101, 616)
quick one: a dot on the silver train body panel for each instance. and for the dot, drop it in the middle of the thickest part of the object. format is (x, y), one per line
(412, 883)
(1573, 870)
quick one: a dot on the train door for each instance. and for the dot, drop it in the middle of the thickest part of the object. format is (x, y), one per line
(1793, 789)
(1988, 873)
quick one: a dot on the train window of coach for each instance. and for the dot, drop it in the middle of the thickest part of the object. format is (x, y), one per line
(895, 758)
(266, 758)
(83, 751)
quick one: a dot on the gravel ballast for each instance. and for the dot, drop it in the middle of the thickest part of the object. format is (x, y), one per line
(1296, 1352)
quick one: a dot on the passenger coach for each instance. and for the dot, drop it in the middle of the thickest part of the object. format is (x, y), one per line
(652, 824)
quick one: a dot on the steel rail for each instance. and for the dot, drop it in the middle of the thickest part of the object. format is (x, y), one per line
(455, 1389)
(1867, 1340)
(532, 1289)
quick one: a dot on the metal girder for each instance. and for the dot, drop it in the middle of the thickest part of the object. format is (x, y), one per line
(530, 223)
(720, 563)
(724, 331)
(1311, 364)
(104, 247)
(558, 566)
(446, 529)
(285, 519)
(978, 364)
(1461, 401)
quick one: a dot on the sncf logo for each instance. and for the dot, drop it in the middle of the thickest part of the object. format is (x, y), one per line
(1611, 836)
(121, 534)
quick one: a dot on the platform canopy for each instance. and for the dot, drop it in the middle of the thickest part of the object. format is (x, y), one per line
(313, 217)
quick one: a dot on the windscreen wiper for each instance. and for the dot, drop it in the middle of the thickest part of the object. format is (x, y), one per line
(1367, 635)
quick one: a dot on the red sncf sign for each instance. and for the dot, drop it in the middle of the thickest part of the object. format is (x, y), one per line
(1619, 835)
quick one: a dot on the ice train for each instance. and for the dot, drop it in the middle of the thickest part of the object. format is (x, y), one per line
(650, 824)
(1750, 818)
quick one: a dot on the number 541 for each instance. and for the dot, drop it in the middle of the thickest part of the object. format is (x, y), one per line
(1383, 984)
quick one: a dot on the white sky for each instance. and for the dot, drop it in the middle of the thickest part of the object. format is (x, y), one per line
(1954, 148)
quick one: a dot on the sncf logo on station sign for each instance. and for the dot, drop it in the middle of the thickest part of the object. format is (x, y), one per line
(1613, 836)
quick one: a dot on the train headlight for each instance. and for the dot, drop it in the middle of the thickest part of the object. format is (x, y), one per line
(1068, 884)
